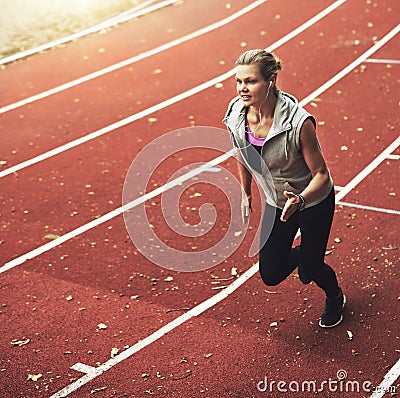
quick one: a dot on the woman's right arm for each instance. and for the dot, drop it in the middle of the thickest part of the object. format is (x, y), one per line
(245, 178)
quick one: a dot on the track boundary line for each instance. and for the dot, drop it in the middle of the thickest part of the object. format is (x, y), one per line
(108, 216)
(123, 17)
(132, 60)
(163, 104)
(91, 372)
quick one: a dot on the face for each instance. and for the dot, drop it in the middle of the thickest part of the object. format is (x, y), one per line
(250, 85)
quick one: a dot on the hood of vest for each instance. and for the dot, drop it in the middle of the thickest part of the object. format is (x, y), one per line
(285, 111)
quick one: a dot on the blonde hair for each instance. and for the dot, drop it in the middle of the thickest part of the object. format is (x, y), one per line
(269, 64)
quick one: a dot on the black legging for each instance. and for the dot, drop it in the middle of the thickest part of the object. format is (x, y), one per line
(277, 257)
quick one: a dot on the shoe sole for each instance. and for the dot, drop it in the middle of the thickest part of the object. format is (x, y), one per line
(339, 321)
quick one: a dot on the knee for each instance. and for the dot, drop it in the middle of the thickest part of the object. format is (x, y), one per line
(269, 277)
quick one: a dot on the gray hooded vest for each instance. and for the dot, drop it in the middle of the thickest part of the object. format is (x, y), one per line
(281, 166)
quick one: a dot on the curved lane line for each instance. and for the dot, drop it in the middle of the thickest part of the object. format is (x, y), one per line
(164, 104)
(134, 59)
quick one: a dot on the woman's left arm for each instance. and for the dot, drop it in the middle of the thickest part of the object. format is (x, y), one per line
(316, 163)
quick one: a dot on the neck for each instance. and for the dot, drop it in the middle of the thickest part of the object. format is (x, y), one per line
(266, 109)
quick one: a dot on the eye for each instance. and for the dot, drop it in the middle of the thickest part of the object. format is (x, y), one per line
(251, 81)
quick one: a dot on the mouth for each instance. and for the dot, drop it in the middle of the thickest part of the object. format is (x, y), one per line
(245, 97)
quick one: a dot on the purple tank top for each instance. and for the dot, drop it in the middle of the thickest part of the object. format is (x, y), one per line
(256, 141)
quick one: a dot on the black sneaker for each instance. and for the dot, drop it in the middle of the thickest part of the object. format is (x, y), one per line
(332, 315)
(303, 276)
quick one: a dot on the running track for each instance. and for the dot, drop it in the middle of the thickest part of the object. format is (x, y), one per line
(177, 336)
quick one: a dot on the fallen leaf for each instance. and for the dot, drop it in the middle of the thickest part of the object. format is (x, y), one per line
(20, 343)
(169, 279)
(98, 390)
(390, 248)
(102, 326)
(349, 335)
(273, 324)
(52, 236)
(114, 352)
(34, 377)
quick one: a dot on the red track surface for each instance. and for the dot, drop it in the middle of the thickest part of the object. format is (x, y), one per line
(58, 298)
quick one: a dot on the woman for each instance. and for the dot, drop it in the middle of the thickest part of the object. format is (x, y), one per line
(277, 143)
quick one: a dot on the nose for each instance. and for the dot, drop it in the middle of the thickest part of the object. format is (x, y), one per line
(242, 87)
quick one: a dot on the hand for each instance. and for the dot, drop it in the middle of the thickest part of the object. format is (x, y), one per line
(246, 207)
(291, 205)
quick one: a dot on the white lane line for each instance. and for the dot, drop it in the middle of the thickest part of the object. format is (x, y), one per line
(365, 172)
(161, 105)
(382, 61)
(196, 311)
(50, 245)
(126, 16)
(81, 367)
(355, 63)
(134, 59)
(387, 384)
(164, 330)
(109, 216)
(365, 207)
(370, 208)
(92, 373)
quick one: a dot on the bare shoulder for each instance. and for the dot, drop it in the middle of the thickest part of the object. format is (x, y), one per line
(308, 137)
